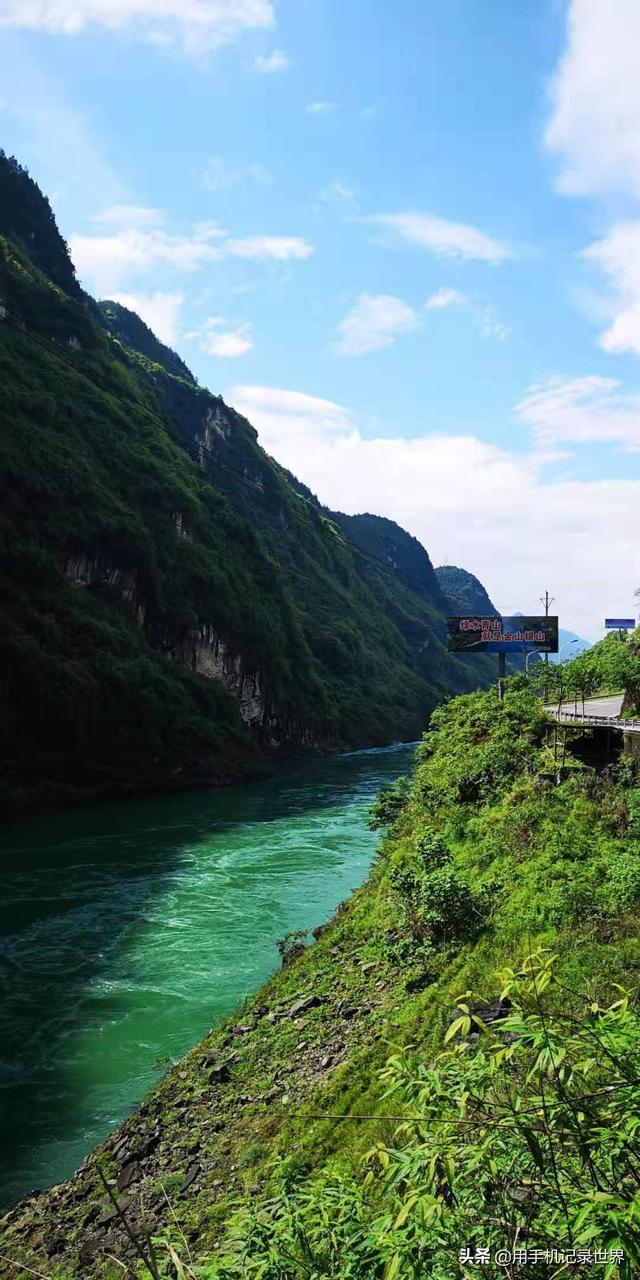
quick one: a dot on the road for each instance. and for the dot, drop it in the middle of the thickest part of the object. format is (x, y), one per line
(609, 707)
(598, 712)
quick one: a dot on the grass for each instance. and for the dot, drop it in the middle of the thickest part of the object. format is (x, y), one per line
(556, 866)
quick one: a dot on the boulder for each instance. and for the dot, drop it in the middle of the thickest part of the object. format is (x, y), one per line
(301, 1006)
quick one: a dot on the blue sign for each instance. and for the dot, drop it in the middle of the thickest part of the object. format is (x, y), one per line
(620, 624)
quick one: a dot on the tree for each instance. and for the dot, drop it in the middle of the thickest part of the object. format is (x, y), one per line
(620, 659)
(584, 677)
(555, 678)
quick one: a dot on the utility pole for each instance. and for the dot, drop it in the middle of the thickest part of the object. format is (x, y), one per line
(547, 601)
(502, 671)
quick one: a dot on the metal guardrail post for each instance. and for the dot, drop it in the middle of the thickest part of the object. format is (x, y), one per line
(606, 722)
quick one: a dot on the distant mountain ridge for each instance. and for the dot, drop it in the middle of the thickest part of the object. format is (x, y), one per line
(570, 645)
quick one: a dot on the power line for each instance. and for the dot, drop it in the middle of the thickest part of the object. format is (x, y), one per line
(193, 449)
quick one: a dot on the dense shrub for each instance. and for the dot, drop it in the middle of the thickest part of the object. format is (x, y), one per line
(389, 805)
(521, 1137)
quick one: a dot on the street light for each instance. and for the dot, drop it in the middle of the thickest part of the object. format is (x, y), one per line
(533, 653)
(566, 645)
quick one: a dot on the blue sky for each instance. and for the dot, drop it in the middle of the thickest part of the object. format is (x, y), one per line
(404, 238)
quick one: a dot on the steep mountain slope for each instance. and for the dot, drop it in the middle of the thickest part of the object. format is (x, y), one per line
(131, 331)
(464, 592)
(385, 540)
(175, 606)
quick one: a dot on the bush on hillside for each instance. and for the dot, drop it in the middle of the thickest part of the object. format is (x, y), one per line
(521, 1137)
(389, 804)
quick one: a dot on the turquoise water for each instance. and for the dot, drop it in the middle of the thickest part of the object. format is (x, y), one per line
(127, 930)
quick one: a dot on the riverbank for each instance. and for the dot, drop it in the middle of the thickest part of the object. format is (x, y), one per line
(244, 765)
(128, 929)
(485, 859)
(221, 1112)
(20, 798)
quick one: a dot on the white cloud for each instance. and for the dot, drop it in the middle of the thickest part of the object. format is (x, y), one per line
(582, 411)
(595, 130)
(595, 94)
(489, 326)
(221, 175)
(129, 215)
(57, 137)
(339, 196)
(269, 64)
(372, 323)
(104, 261)
(227, 345)
(281, 248)
(196, 25)
(285, 415)
(320, 108)
(107, 262)
(444, 238)
(161, 311)
(484, 314)
(444, 298)
(617, 255)
(218, 338)
(467, 500)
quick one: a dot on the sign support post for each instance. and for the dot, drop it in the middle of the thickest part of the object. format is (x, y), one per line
(502, 671)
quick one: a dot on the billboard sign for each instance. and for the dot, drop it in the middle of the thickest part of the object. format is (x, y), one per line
(515, 634)
(620, 624)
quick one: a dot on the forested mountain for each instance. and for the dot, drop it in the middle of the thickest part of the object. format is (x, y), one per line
(132, 332)
(175, 604)
(465, 594)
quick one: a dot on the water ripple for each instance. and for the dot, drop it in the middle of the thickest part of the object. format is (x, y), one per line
(127, 930)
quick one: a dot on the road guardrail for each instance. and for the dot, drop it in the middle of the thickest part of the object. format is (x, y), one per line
(603, 722)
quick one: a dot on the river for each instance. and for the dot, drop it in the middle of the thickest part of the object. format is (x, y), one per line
(127, 930)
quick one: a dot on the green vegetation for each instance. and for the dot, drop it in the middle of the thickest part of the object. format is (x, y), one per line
(462, 1072)
(518, 1143)
(27, 218)
(132, 332)
(175, 605)
(611, 665)
(464, 593)
(453, 1064)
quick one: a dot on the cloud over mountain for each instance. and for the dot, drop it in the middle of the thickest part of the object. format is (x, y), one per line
(197, 26)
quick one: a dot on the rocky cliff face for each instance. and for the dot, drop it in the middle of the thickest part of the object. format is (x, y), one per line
(209, 656)
(175, 600)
